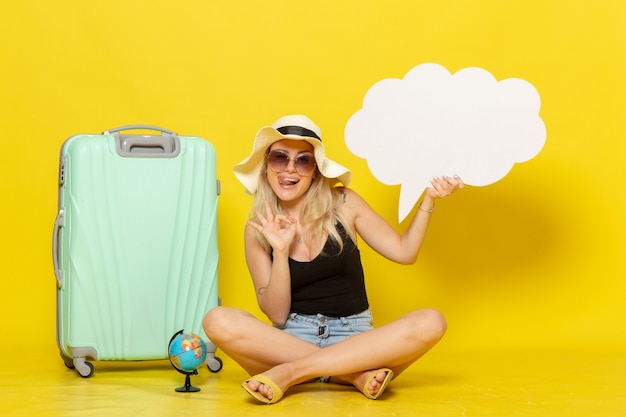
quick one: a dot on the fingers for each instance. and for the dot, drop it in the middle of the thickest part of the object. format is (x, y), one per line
(284, 222)
(456, 180)
(453, 183)
(444, 186)
(270, 221)
(268, 211)
(262, 219)
(255, 225)
(280, 221)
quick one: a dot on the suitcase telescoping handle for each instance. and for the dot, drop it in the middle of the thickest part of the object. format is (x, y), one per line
(136, 145)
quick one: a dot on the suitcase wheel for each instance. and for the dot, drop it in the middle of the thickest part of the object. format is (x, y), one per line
(67, 361)
(214, 364)
(84, 368)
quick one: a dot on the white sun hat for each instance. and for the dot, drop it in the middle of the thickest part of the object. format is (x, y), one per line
(293, 127)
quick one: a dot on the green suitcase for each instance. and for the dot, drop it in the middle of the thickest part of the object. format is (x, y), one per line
(135, 248)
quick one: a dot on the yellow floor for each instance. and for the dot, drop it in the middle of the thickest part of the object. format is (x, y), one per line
(442, 384)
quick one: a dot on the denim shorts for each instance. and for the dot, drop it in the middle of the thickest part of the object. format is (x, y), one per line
(324, 331)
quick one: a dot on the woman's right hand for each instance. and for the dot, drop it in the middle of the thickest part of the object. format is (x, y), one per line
(279, 230)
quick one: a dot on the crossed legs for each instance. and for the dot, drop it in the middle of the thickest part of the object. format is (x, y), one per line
(286, 360)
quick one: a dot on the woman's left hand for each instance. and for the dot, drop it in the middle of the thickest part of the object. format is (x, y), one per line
(444, 186)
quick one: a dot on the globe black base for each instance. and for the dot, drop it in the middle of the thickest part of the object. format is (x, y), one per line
(187, 387)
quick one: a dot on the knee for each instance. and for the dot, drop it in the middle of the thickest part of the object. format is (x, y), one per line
(429, 325)
(216, 323)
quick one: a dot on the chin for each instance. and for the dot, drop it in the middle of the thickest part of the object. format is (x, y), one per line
(289, 194)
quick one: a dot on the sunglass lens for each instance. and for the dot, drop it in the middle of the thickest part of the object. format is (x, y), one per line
(305, 164)
(278, 160)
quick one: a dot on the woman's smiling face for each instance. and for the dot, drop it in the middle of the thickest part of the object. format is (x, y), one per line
(288, 183)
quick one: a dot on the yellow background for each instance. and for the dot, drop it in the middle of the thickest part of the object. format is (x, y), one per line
(535, 261)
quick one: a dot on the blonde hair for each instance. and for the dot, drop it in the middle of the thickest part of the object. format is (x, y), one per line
(321, 210)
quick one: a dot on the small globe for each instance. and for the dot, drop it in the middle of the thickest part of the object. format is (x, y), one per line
(187, 351)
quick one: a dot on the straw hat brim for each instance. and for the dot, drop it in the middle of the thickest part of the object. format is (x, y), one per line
(248, 170)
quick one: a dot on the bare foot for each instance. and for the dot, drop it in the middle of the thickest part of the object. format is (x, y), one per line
(360, 379)
(263, 389)
(376, 383)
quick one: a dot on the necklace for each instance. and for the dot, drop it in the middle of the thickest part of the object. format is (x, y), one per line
(299, 239)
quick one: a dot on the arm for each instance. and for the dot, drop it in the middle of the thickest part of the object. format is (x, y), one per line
(384, 239)
(271, 277)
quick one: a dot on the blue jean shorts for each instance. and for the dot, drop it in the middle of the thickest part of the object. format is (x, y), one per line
(324, 331)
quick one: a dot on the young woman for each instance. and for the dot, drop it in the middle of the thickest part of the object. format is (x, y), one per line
(301, 251)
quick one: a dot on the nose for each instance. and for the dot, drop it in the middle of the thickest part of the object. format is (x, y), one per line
(291, 165)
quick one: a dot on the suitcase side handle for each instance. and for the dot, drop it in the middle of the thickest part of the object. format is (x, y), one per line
(139, 127)
(58, 223)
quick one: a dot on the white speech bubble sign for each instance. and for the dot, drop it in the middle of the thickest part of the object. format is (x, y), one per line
(432, 123)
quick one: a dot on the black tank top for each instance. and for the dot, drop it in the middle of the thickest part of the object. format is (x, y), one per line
(332, 284)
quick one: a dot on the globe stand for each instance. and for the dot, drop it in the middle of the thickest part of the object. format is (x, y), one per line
(188, 387)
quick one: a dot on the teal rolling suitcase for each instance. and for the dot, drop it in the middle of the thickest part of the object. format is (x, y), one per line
(134, 244)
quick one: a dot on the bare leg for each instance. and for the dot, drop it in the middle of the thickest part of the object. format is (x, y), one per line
(253, 344)
(288, 361)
